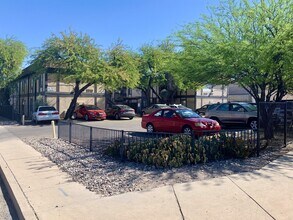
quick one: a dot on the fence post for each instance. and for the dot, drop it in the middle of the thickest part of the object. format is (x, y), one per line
(122, 147)
(258, 129)
(58, 125)
(23, 119)
(285, 124)
(70, 132)
(193, 143)
(91, 138)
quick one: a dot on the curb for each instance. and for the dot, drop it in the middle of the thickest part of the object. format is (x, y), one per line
(20, 202)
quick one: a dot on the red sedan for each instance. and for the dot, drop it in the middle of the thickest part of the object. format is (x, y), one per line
(89, 112)
(177, 121)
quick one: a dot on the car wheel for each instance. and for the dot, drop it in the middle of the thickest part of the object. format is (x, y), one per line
(253, 124)
(117, 117)
(130, 118)
(86, 117)
(187, 130)
(74, 116)
(150, 128)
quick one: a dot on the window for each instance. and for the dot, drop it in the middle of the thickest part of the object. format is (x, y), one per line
(237, 108)
(168, 113)
(223, 107)
(47, 108)
(158, 114)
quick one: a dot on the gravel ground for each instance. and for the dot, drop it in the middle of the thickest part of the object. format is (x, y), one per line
(107, 176)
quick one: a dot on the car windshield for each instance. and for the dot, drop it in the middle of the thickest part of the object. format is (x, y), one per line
(47, 108)
(92, 107)
(184, 113)
(249, 107)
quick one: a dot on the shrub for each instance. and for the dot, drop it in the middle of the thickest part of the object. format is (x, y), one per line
(178, 150)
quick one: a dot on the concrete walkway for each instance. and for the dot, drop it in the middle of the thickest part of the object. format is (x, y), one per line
(42, 191)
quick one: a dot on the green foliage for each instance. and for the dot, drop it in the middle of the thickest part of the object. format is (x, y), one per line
(122, 68)
(248, 42)
(179, 150)
(74, 56)
(12, 54)
(154, 66)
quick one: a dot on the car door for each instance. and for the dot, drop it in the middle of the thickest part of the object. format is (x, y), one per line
(222, 113)
(83, 111)
(168, 121)
(78, 112)
(237, 114)
(156, 120)
(111, 111)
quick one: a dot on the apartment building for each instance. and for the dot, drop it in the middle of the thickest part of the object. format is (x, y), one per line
(32, 89)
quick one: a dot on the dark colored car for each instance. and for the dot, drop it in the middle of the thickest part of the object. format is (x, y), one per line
(177, 121)
(202, 110)
(120, 111)
(89, 112)
(236, 113)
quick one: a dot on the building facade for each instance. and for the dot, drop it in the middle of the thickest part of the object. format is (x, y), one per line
(31, 90)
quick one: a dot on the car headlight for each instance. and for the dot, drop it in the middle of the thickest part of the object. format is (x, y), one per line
(216, 124)
(200, 124)
(92, 113)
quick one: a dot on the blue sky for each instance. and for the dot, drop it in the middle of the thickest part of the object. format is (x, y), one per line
(134, 21)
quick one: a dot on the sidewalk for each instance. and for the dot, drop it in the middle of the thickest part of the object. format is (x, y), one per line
(43, 191)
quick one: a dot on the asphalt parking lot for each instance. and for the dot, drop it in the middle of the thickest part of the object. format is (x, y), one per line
(45, 129)
(122, 124)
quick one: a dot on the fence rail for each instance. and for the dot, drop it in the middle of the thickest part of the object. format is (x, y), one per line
(96, 139)
(275, 122)
(8, 112)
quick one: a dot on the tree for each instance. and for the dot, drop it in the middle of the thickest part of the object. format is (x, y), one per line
(76, 58)
(12, 54)
(248, 42)
(154, 70)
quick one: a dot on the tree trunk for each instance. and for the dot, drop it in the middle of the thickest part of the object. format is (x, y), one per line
(266, 113)
(77, 93)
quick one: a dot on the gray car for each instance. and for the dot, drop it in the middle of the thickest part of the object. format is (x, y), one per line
(153, 108)
(236, 113)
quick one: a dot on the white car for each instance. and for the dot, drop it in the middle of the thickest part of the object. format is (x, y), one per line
(45, 113)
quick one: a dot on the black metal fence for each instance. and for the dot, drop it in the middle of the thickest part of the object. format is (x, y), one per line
(8, 112)
(275, 123)
(212, 143)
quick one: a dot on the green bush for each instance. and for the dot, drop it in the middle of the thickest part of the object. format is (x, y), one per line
(178, 150)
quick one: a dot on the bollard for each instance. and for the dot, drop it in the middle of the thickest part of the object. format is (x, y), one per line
(53, 129)
(22, 120)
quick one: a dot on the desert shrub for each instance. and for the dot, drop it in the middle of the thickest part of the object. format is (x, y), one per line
(178, 150)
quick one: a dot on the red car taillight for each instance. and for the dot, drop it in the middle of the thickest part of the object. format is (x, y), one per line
(55, 113)
(41, 113)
